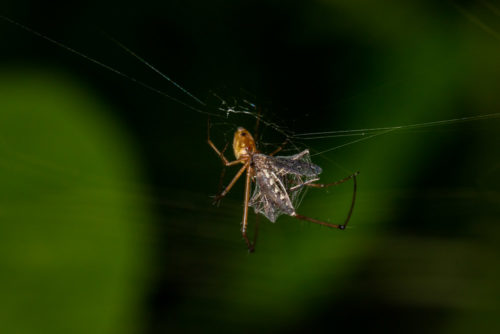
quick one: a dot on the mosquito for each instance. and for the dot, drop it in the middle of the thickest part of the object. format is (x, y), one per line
(278, 181)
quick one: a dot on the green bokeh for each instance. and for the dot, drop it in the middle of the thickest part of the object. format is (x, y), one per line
(71, 216)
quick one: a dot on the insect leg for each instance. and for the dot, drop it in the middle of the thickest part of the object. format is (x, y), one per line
(248, 183)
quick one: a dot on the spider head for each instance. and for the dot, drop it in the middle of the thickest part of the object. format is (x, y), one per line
(243, 143)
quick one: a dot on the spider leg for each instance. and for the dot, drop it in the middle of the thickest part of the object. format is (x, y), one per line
(231, 184)
(257, 123)
(312, 220)
(256, 132)
(256, 230)
(324, 185)
(226, 162)
(248, 183)
(317, 185)
(222, 173)
(279, 148)
(298, 186)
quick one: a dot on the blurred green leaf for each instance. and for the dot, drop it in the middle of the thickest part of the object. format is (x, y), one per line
(72, 221)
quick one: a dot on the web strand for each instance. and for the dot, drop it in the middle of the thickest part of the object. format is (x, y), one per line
(227, 108)
(363, 132)
(185, 91)
(109, 68)
(354, 142)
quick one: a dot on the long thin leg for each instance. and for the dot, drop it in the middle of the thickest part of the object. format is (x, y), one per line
(324, 185)
(223, 158)
(221, 180)
(231, 184)
(222, 174)
(256, 132)
(312, 220)
(256, 230)
(279, 148)
(226, 162)
(340, 227)
(248, 183)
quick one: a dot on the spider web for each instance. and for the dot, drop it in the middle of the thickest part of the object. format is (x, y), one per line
(227, 107)
(227, 112)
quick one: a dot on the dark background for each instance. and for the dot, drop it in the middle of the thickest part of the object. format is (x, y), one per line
(106, 224)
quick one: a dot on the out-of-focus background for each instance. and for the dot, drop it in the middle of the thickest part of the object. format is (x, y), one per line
(106, 221)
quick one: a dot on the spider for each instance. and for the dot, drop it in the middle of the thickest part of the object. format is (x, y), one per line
(278, 180)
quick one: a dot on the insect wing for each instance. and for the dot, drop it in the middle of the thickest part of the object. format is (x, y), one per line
(298, 164)
(279, 183)
(270, 197)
